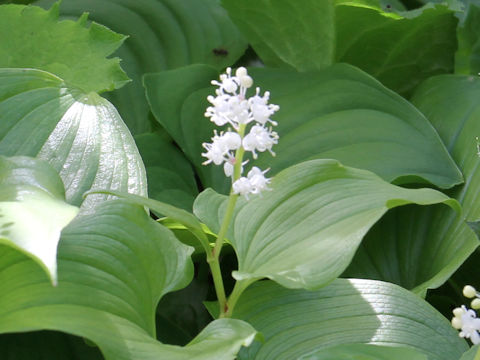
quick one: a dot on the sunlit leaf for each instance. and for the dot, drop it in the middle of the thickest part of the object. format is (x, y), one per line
(33, 210)
(304, 232)
(82, 136)
(37, 39)
(114, 266)
(299, 323)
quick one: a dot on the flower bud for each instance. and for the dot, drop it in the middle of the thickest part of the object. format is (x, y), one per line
(469, 291)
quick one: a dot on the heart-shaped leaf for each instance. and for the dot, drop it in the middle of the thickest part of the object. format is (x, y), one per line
(325, 114)
(304, 232)
(81, 136)
(163, 34)
(297, 323)
(429, 244)
(33, 210)
(114, 266)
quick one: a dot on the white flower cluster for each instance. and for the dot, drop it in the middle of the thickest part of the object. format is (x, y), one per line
(465, 319)
(231, 107)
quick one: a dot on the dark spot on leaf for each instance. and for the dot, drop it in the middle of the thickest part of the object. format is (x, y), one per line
(220, 52)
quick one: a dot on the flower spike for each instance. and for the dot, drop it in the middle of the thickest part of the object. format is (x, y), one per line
(231, 106)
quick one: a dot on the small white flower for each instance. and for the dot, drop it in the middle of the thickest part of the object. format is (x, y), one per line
(260, 139)
(257, 180)
(243, 187)
(231, 106)
(261, 111)
(466, 321)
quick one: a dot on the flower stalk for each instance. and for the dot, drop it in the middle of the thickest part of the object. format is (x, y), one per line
(231, 107)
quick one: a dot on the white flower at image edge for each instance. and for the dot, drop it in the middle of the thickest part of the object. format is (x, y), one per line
(467, 322)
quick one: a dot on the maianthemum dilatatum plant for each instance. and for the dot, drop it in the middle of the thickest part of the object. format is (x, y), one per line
(239, 179)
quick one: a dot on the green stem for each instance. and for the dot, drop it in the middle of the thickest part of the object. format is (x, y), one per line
(238, 289)
(217, 282)
(214, 260)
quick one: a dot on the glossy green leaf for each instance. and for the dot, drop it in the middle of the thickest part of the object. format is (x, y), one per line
(365, 352)
(297, 323)
(399, 50)
(305, 231)
(428, 244)
(170, 176)
(326, 114)
(163, 34)
(36, 39)
(33, 210)
(81, 136)
(114, 266)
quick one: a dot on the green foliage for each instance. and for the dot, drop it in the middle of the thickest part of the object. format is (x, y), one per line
(358, 182)
(296, 323)
(81, 135)
(33, 210)
(37, 40)
(321, 217)
(399, 50)
(327, 114)
(162, 34)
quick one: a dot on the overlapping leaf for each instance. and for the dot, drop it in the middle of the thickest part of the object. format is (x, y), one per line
(399, 50)
(81, 136)
(114, 266)
(71, 50)
(305, 231)
(33, 210)
(170, 176)
(326, 114)
(163, 34)
(297, 324)
(420, 248)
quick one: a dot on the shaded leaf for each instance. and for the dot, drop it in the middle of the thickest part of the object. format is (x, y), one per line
(37, 39)
(306, 230)
(43, 345)
(274, 29)
(163, 34)
(428, 244)
(81, 136)
(326, 114)
(170, 176)
(33, 210)
(400, 49)
(467, 57)
(297, 323)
